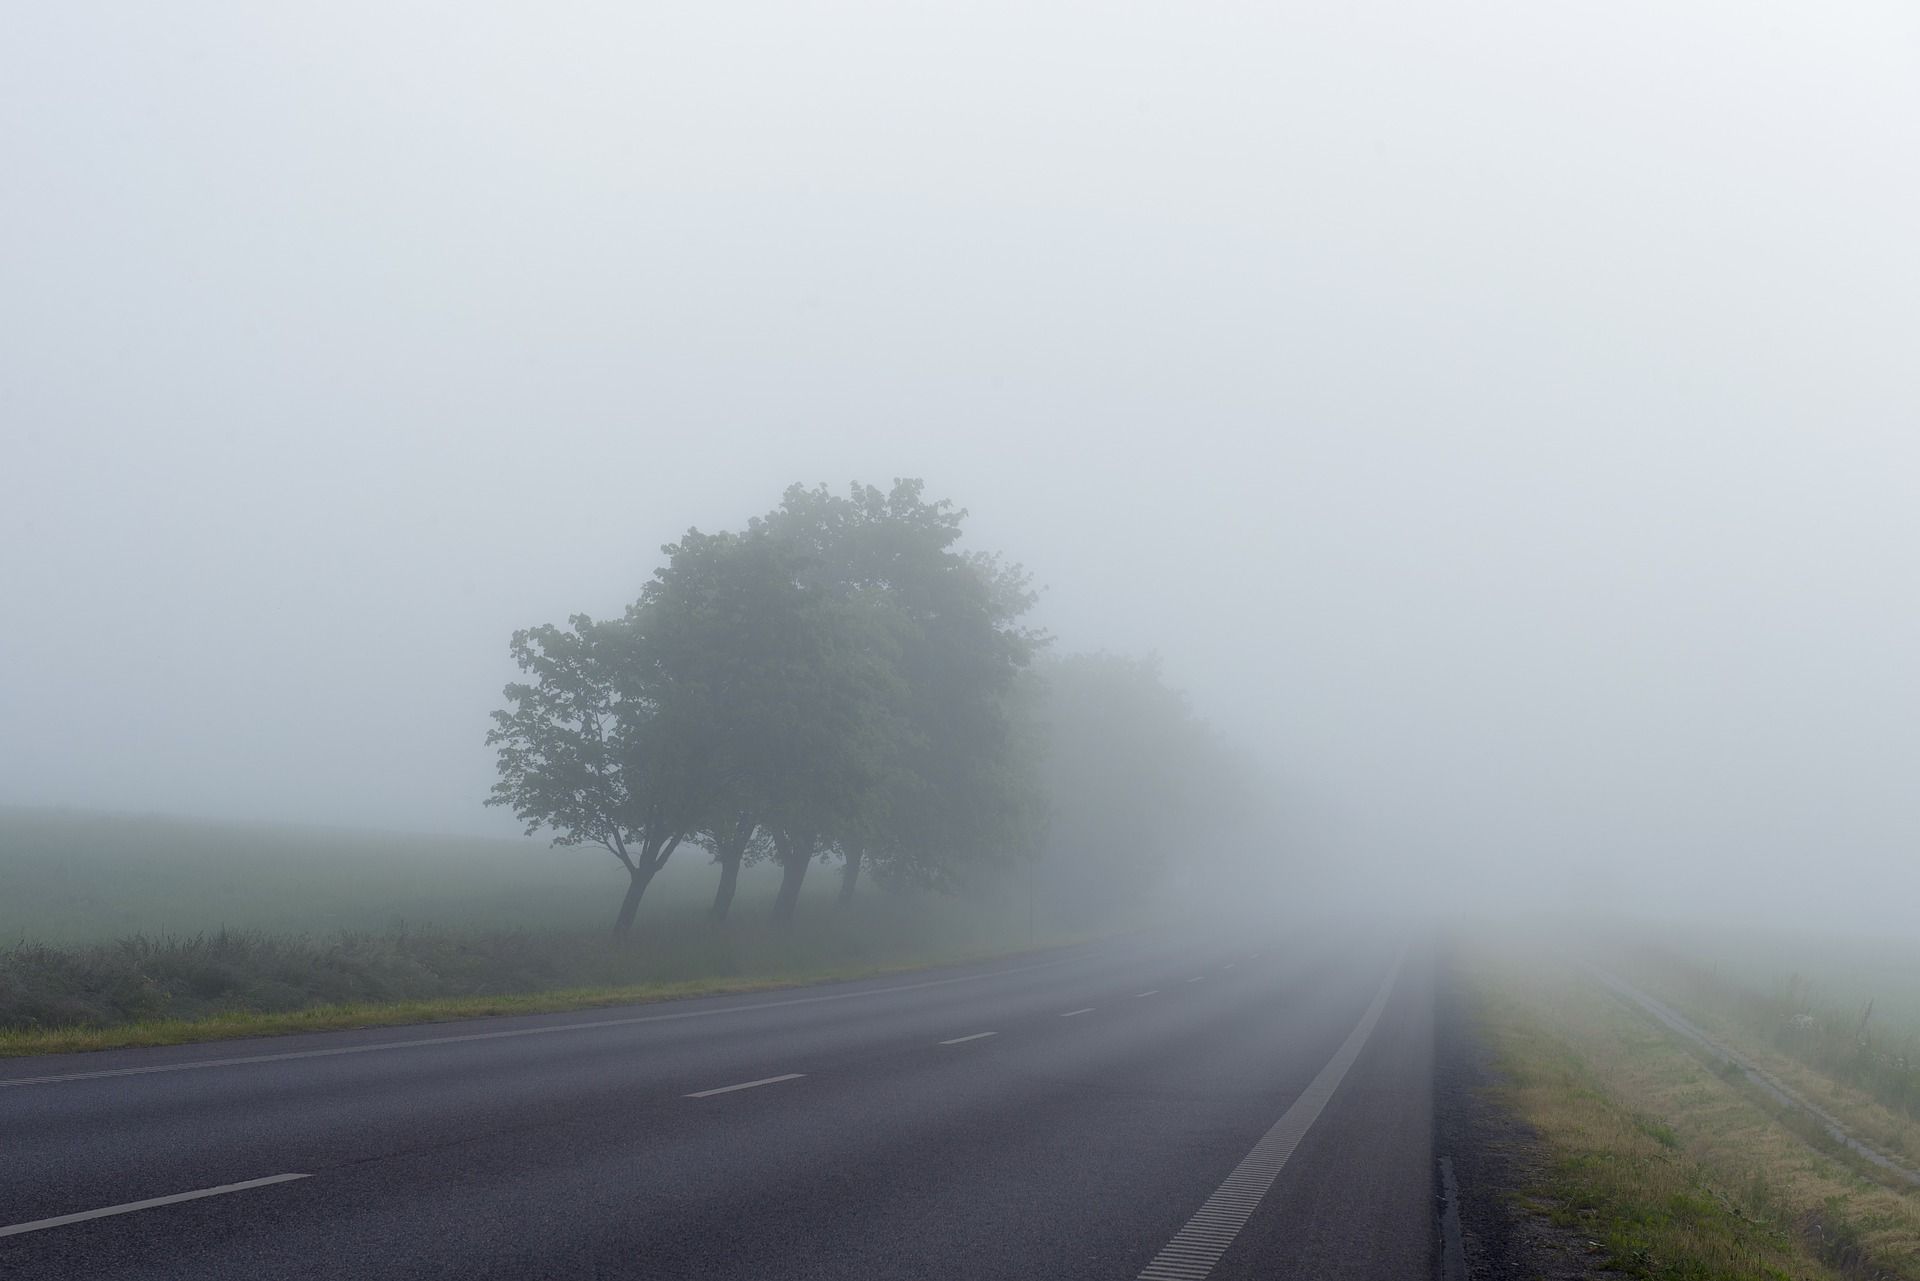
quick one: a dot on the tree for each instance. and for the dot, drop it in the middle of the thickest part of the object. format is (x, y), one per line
(705, 628)
(948, 799)
(834, 734)
(734, 841)
(1133, 779)
(785, 687)
(587, 749)
(838, 677)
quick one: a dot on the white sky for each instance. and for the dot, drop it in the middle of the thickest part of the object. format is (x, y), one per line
(1505, 414)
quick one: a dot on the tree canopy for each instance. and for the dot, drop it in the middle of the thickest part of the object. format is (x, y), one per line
(843, 679)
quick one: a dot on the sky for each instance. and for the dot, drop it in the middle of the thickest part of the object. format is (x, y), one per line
(1501, 416)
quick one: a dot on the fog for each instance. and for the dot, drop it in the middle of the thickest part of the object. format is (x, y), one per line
(1502, 417)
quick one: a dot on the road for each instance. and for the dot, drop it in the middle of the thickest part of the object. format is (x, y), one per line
(1173, 1108)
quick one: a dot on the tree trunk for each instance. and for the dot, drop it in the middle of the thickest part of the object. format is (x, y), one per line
(795, 857)
(636, 888)
(729, 880)
(849, 874)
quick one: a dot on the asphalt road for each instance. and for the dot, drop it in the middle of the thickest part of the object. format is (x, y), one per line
(1253, 1108)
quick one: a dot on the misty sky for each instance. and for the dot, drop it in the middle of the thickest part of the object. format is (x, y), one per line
(1506, 416)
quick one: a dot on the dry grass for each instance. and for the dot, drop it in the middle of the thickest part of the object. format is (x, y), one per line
(1672, 1167)
(1725, 1013)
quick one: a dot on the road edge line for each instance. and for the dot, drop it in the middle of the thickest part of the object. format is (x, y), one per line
(1200, 1243)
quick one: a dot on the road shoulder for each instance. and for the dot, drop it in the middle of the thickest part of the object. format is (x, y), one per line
(1499, 1162)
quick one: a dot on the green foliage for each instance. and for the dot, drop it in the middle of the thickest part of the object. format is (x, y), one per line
(951, 796)
(588, 748)
(837, 676)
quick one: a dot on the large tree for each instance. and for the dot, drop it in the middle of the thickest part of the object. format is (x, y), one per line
(953, 795)
(838, 677)
(838, 734)
(590, 749)
(791, 687)
(735, 840)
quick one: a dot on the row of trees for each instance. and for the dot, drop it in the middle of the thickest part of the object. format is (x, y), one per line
(839, 680)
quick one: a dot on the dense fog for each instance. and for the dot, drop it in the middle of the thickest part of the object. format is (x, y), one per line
(1500, 420)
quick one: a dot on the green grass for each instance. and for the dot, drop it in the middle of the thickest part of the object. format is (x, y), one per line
(1673, 1169)
(227, 973)
(71, 876)
(121, 930)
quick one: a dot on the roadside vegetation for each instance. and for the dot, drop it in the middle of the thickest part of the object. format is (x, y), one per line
(839, 683)
(1673, 1166)
(1852, 1025)
(160, 991)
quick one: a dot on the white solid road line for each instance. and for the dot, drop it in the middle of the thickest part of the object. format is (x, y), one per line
(1070, 1013)
(425, 1042)
(62, 1220)
(1197, 1247)
(744, 1085)
(962, 1040)
(1152, 991)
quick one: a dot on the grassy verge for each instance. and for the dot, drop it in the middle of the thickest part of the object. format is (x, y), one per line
(163, 991)
(324, 1018)
(1842, 1055)
(126, 930)
(1669, 1165)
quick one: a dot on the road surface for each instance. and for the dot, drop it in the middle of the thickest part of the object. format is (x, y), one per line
(1144, 1107)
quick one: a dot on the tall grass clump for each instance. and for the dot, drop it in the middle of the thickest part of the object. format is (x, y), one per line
(1846, 1043)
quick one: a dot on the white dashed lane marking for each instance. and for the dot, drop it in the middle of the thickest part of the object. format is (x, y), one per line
(62, 1220)
(746, 1085)
(962, 1040)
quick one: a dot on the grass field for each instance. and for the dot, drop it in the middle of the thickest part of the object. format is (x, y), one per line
(70, 876)
(121, 930)
(1675, 1165)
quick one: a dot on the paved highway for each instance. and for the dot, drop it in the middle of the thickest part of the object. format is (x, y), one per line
(1173, 1109)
